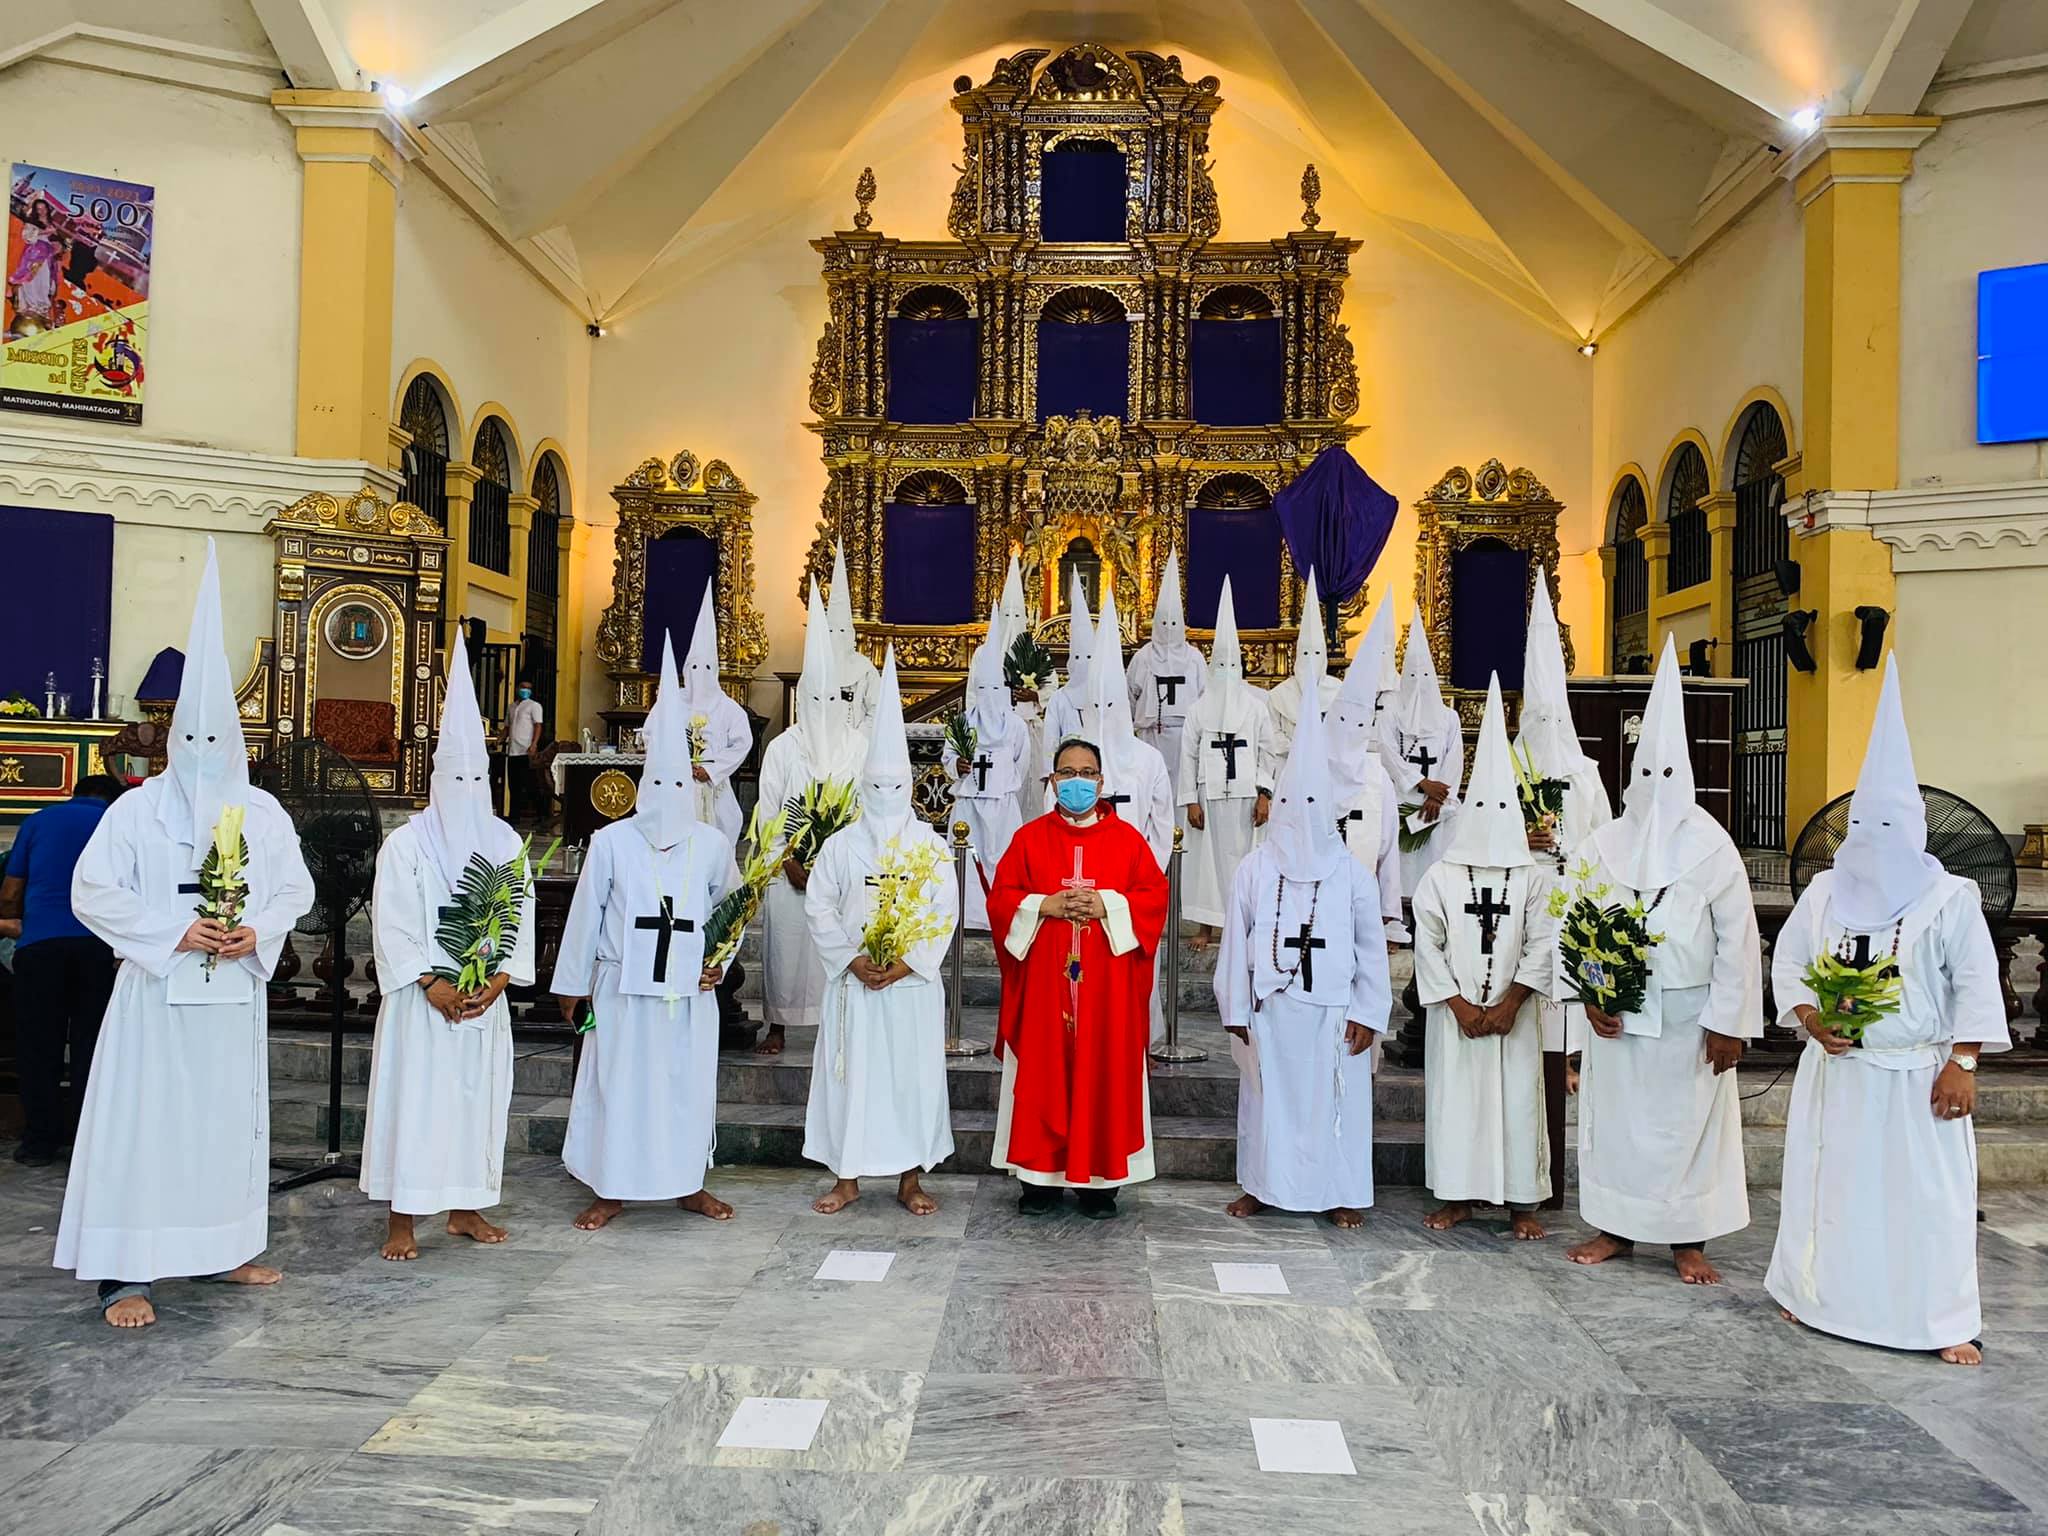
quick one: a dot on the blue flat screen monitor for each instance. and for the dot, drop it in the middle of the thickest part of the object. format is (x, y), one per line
(2012, 354)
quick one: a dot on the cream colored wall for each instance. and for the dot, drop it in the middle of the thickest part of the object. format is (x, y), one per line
(721, 365)
(224, 309)
(156, 576)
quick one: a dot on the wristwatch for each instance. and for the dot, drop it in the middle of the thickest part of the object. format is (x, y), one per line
(1967, 1063)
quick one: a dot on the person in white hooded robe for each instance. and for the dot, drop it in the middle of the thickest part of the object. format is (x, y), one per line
(1066, 711)
(170, 1169)
(441, 1059)
(644, 1114)
(1485, 947)
(1310, 680)
(1224, 754)
(1422, 745)
(1366, 813)
(878, 1103)
(1548, 742)
(1165, 676)
(1301, 983)
(1016, 621)
(1660, 1127)
(1134, 777)
(1877, 1228)
(822, 746)
(858, 680)
(989, 788)
(725, 734)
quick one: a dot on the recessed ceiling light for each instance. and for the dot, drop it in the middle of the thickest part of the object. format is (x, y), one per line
(1587, 349)
(1806, 119)
(395, 96)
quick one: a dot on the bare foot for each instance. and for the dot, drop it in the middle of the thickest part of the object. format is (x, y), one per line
(1598, 1249)
(771, 1043)
(1962, 1354)
(471, 1224)
(1448, 1216)
(837, 1198)
(1245, 1205)
(911, 1196)
(1785, 1313)
(398, 1239)
(1694, 1269)
(1346, 1216)
(1199, 940)
(705, 1203)
(598, 1213)
(251, 1274)
(1525, 1227)
(131, 1312)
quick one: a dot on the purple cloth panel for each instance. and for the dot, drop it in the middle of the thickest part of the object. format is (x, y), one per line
(1236, 369)
(58, 619)
(1243, 544)
(1082, 195)
(1336, 521)
(1084, 365)
(931, 370)
(677, 568)
(1490, 614)
(928, 569)
(165, 676)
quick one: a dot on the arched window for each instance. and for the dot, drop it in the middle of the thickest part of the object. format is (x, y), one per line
(1761, 541)
(543, 584)
(1234, 359)
(490, 513)
(932, 357)
(1232, 532)
(928, 551)
(423, 414)
(1691, 558)
(1080, 559)
(1082, 191)
(1084, 359)
(1631, 607)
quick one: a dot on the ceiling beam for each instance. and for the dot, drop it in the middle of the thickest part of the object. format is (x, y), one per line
(1708, 57)
(532, 37)
(1909, 57)
(311, 51)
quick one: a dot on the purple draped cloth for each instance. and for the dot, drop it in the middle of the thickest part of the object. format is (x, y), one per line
(1336, 522)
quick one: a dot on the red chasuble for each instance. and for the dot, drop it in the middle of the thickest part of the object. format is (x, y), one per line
(1075, 1016)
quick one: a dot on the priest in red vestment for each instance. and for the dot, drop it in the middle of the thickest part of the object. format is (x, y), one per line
(1078, 906)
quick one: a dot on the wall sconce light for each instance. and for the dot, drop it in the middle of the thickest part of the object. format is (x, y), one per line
(1788, 577)
(1870, 646)
(1795, 624)
(1697, 658)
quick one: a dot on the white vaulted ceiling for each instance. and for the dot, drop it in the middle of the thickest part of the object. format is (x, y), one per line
(1564, 153)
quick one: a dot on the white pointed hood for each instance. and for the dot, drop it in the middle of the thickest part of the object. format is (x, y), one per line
(459, 821)
(1348, 730)
(209, 762)
(1227, 703)
(1419, 707)
(1301, 832)
(1546, 734)
(1226, 652)
(1883, 866)
(700, 667)
(1390, 674)
(839, 618)
(1489, 831)
(1372, 664)
(1169, 618)
(824, 719)
(1661, 833)
(1108, 717)
(1311, 653)
(1080, 638)
(885, 777)
(668, 794)
(997, 725)
(1016, 618)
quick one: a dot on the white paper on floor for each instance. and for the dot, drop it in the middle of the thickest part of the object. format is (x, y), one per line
(774, 1424)
(1250, 1280)
(1302, 1445)
(852, 1264)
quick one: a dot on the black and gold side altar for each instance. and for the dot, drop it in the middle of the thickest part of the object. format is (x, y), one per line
(41, 761)
(1038, 383)
(702, 513)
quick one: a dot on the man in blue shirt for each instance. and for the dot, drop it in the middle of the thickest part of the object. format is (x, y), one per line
(62, 974)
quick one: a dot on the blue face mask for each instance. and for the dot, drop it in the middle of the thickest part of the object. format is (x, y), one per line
(1077, 796)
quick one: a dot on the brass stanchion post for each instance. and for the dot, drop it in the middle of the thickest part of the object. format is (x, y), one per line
(956, 962)
(1170, 1050)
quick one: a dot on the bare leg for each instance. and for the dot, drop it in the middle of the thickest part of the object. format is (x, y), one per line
(910, 1194)
(398, 1239)
(1346, 1216)
(598, 1213)
(1693, 1267)
(1245, 1205)
(130, 1312)
(771, 1043)
(1525, 1227)
(1448, 1216)
(251, 1274)
(705, 1203)
(837, 1198)
(1599, 1248)
(472, 1225)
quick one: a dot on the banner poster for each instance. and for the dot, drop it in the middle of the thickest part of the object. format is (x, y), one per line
(74, 320)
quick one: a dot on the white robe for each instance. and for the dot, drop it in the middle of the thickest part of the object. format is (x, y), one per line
(1160, 724)
(1371, 827)
(1484, 1136)
(170, 1173)
(728, 738)
(792, 980)
(878, 1103)
(644, 1118)
(440, 1093)
(992, 819)
(1304, 1102)
(1402, 754)
(1660, 1136)
(1586, 811)
(1283, 703)
(1211, 854)
(1066, 714)
(1877, 1231)
(860, 684)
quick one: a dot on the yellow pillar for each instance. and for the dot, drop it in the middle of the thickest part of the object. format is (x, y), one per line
(354, 153)
(520, 510)
(1847, 179)
(1656, 536)
(462, 479)
(567, 716)
(1720, 510)
(1608, 660)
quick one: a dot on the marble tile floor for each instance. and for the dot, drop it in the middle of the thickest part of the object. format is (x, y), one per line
(1038, 1377)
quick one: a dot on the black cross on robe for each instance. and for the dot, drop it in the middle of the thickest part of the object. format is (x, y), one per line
(1307, 945)
(982, 764)
(1169, 690)
(1354, 814)
(1228, 744)
(1861, 957)
(664, 923)
(1116, 800)
(1422, 759)
(1489, 914)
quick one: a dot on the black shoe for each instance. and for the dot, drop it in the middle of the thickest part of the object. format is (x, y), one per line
(1098, 1204)
(1038, 1200)
(34, 1155)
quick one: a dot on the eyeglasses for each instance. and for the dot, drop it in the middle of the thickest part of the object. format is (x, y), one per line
(1076, 773)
